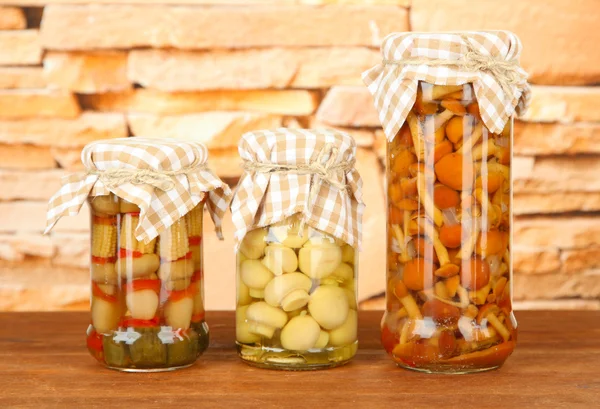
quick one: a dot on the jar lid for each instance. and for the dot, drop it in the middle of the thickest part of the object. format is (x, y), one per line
(299, 171)
(165, 178)
(487, 59)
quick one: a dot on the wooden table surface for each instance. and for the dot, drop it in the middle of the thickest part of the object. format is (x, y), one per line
(44, 363)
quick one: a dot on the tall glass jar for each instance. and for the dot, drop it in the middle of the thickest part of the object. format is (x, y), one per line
(298, 216)
(146, 199)
(147, 298)
(449, 228)
(296, 298)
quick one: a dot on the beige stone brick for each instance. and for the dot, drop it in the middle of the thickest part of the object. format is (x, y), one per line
(554, 138)
(555, 286)
(22, 156)
(557, 232)
(68, 158)
(558, 174)
(20, 47)
(172, 70)
(87, 72)
(15, 104)
(88, 127)
(29, 217)
(217, 130)
(364, 138)
(557, 305)
(126, 26)
(31, 185)
(404, 3)
(12, 18)
(21, 77)
(559, 37)
(71, 250)
(532, 203)
(380, 145)
(563, 104)
(288, 102)
(575, 261)
(64, 296)
(536, 260)
(21, 245)
(348, 106)
(226, 163)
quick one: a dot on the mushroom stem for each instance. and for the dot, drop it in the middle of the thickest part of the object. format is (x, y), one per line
(469, 245)
(484, 150)
(407, 300)
(502, 330)
(463, 295)
(475, 136)
(427, 201)
(416, 133)
(404, 256)
(404, 332)
(441, 119)
(432, 235)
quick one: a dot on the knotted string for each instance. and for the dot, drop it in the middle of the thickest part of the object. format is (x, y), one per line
(506, 73)
(323, 167)
(160, 179)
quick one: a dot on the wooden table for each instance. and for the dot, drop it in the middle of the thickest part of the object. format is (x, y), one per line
(44, 363)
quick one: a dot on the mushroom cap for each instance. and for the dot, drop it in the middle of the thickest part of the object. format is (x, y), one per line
(319, 260)
(344, 272)
(254, 243)
(279, 287)
(301, 333)
(295, 300)
(440, 311)
(418, 274)
(263, 313)
(475, 273)
(328, 305)
(280, 259)
(255, 275)
(346, 333)
(242, 329)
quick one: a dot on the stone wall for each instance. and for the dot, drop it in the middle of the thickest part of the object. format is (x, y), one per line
(90, 69)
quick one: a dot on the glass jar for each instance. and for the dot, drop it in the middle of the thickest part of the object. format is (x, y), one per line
(449, 275)
(147, 298)
(296, 298)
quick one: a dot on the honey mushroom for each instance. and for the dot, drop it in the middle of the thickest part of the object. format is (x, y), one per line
(288, 291)
(328, 305)
(254, 244)
(242, 328)
(301, 333)
(256, 276)
(263, 319)
(319, 259)
(407, 300)
(489, 312)
(346, 333)
(280, 259)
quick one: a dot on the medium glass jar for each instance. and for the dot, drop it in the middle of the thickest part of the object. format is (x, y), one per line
(296, 298)
(449, 230)
(147, 298)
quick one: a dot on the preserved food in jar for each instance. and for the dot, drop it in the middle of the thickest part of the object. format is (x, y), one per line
(147, 303)
(298, 213)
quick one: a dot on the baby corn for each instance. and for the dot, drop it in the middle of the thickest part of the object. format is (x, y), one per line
(174, 242)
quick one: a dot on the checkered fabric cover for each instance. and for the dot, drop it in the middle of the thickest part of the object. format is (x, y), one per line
(158, 209)
(394, 86)
(262, 198)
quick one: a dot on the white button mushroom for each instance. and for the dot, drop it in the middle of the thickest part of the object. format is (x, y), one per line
(351, 295)
(323, 340)
(319, 261)
(255, 275)
(142, 304)
(105, 315)
(265, 319)
(178, 314)
(300, 334)
(345, 334)
(243, 293)
(280, 259)
(176, 270)
(137, 267)
(254, 243)
(288, 232)
(329, 306)
(242, 328)
(348, 254)
(344, 272)
(288, 290)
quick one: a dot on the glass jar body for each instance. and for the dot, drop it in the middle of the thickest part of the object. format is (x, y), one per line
(449, 228)
(147, 298)
(296, 298)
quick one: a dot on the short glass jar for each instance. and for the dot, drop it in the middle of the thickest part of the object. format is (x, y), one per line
(296, 298)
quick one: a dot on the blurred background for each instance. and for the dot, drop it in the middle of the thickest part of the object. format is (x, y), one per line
(74, 71)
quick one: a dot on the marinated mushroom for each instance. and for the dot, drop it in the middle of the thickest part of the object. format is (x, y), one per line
(345, 334)
(242, 328)
(280, 259)
(254, 244)
(319, 260)
(256, 276)
(490, 312)
(301, 333)
(263, 319)
(290, 291)
(328, 305)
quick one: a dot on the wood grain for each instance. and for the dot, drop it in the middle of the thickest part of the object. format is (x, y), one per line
(44, 363)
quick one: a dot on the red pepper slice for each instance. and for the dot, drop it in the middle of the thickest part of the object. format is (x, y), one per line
(137, 323)
(97, 292)
(143, 284)
(197, 276)
(94, 341)
(181, 294)
(388, 339)
(104, 220)
(123, 253)
(195, 240)
(103, 260)
(198, 317)
(134, 214)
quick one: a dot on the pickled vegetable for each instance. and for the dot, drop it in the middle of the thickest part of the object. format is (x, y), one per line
(147, 298)
(448, 307)
(296, 298)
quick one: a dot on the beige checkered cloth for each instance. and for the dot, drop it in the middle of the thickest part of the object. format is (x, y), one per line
(394, 86)
(266, 198)
(159, 209)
